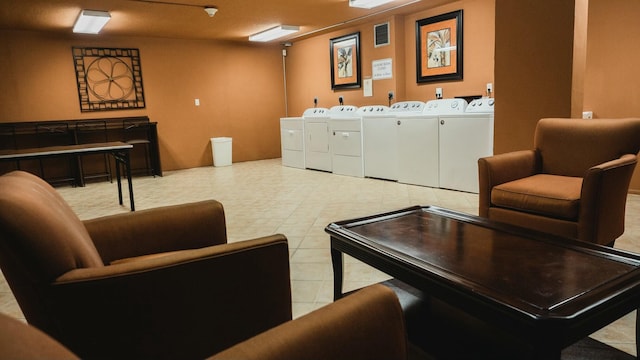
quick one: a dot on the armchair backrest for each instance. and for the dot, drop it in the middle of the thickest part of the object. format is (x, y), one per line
(569, 147)
(41, 238)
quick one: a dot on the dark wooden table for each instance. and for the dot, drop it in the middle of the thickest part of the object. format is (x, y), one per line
(119, 150)
(547, 291)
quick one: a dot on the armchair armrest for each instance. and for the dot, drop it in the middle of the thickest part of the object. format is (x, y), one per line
(344, 329)
(603, 199)
(169, 228)
(502, 168)
(188, 304)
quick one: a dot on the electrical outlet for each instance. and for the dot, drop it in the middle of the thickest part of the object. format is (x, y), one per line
(438, 93)
(315, 101)
(587, 114)
(489, 89)
(197, 102)
(340, 100)
(390, 95)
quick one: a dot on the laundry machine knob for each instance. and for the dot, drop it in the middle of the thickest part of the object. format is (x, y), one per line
(399, 122)
(441, 122)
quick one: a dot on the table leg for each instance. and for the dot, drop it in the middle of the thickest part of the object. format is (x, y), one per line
(337, 262)
(118, 180)
(127, 165)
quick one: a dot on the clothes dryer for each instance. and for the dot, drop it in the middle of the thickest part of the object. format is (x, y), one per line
(345, 131)
(292, 141)
(417, 144)
(379, 142)
(464, 138)
(317, 152)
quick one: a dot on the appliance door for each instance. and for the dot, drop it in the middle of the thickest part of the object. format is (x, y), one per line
(380, 144)
(463, 140)
(317, 145)
(292, 142)
(418, 151)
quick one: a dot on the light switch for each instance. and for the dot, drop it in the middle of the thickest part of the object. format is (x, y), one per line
(197, 101)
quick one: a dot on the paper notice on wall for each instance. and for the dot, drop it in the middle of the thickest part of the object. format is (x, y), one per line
(382, 69)
(368, 87)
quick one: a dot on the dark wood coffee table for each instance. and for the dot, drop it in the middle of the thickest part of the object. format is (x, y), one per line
(547, 291)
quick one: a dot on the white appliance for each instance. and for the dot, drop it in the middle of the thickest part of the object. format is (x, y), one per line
(464, 138)
(417, 144)
(345, 133)
(292, 141)
(317, 153)
(409, 124)
(379, 142)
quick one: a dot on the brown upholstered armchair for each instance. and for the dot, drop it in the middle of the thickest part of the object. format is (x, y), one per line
(345, 329)
(159, 283)
(574, 183)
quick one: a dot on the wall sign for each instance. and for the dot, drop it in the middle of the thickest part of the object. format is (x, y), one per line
(108, 78)
(382, 69)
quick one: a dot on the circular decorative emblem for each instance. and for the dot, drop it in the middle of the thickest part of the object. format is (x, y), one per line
(109, 79)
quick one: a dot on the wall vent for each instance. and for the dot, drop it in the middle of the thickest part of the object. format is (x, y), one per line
(381, 35)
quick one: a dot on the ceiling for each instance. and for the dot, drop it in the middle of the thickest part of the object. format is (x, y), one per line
(186, 19)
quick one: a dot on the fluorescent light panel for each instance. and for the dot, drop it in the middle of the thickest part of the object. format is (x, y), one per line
(91, 21)
(274, 33)
(367, 4)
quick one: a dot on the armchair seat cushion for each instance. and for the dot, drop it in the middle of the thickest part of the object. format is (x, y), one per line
(542, 194)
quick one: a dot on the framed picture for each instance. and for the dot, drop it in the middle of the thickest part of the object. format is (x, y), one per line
(108, 78)
(439, 48)
(345, 62)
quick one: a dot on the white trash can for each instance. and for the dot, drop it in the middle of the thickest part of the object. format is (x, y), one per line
(221, 148)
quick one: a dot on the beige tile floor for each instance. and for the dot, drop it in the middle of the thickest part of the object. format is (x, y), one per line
(263, 197)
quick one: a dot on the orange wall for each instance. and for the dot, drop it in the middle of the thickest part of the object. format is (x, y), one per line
(479, 45)
(232, 81)
(533, 68)
(309, 75)
(611, 77)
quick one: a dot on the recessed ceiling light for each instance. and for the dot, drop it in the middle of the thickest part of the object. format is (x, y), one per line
(367, 4)
(274, 33)
(91, 21)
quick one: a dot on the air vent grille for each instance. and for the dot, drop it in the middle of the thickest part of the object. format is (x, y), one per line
(381, 35)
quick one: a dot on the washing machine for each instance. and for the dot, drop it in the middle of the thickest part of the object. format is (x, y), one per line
(292, 141)
(464, 138)
(317, 154)
(417, 131)
(379, 142)
(345, 137)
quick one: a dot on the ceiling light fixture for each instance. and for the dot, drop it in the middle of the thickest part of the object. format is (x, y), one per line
(211, 10)
(274, 33)
(91, 21)
(367, 4)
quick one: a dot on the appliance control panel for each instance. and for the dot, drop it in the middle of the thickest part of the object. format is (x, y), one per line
(407, 106)
(484, 105)
(315, 112)
(343, 109)
(373, 110)
(445, 106)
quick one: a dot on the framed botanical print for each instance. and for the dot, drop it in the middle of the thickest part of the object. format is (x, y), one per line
(439, 48)
(345, 62)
